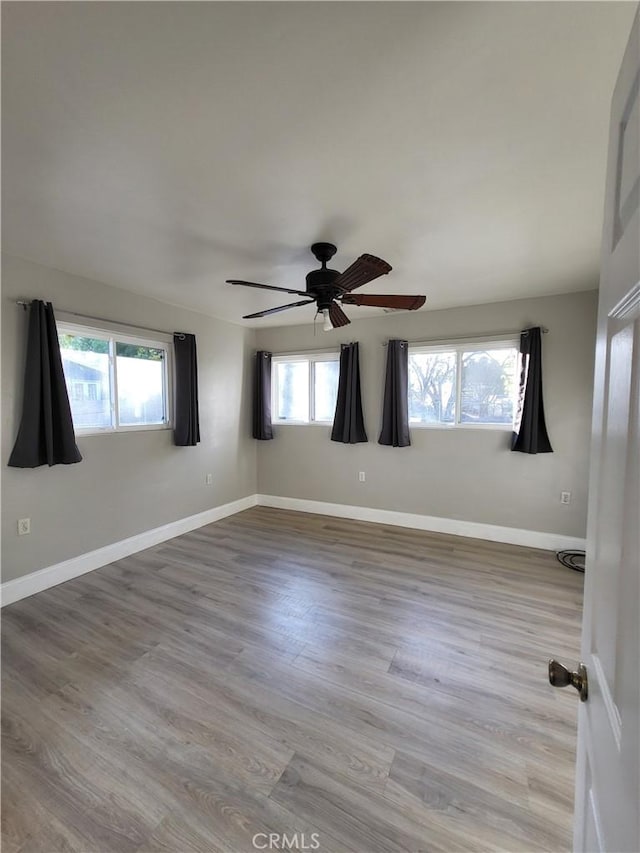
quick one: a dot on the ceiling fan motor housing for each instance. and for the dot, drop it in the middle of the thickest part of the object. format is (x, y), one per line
(320, 285)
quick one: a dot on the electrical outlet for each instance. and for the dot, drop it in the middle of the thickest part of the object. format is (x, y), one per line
(565, 497)
(362, 476)
(209, 479)
(24, 526)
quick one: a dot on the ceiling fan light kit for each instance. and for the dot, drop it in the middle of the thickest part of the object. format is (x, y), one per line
(328, 288)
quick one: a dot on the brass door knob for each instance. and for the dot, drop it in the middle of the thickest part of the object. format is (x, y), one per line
(560, 676)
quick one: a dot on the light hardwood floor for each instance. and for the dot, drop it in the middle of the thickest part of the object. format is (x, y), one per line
(277, 672)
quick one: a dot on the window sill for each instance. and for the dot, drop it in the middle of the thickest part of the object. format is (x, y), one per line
(80, 432)
(451, 427)
(303, 423)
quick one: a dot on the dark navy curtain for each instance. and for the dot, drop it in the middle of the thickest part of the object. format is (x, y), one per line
(395, 409)
(262, 397)
(46, 435)
(348, 422)
(186, 432)
(530, 432)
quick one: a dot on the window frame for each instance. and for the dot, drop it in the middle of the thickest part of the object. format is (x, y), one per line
(112, 336)
(459, 347)
(312, 358)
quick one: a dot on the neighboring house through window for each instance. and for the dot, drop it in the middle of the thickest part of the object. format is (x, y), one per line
(115, 382)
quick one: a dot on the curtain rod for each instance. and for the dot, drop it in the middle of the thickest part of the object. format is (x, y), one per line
(305, 350)
(181, 335)
(470, 338)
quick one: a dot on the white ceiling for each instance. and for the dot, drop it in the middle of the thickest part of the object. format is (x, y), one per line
(165, 147)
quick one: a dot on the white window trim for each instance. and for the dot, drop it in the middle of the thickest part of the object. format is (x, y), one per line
(459, 347)
(111, 335)
(312, 358)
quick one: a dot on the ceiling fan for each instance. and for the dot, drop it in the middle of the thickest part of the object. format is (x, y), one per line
(330, 288)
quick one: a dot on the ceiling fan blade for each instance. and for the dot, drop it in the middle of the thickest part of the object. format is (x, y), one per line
(337, 316)
(279, 308)
(266, 287)
(383, 300)
(361, 271)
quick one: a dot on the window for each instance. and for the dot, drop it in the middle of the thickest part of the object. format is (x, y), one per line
(115, 382)
(466, 385)
(304, 388)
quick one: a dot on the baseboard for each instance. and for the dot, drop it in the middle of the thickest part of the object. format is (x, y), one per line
(475, 530)
(43, 579)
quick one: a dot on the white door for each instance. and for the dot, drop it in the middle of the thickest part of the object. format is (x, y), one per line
(607, 816)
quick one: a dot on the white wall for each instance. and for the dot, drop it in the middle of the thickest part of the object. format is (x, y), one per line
(130, 482)
(461, 474)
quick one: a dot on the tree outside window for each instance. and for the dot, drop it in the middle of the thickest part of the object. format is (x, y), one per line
(462, 385)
